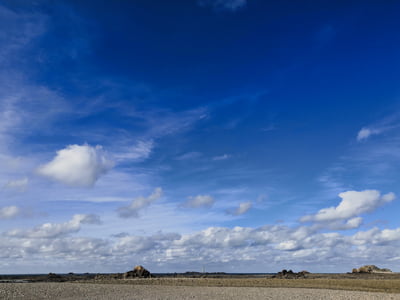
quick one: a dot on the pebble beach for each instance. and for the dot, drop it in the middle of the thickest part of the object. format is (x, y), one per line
(77, 291)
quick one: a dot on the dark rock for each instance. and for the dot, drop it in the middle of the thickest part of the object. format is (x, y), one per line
(138, 271)
(370, 269)
(290, 274)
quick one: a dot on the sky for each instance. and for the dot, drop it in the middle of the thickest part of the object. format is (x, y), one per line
(229, 135)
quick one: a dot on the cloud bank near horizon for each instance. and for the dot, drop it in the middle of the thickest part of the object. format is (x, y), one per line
(278, 245)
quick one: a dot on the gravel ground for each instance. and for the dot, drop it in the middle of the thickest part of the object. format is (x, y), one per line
(47, 290)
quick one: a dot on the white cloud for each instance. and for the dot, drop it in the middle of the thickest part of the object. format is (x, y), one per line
(77, 165)
(139, 203)
(353, 204)
(18, 184)
(239, 249)
(288, 245)
(389, 235)
(241, 209)
(52, 230)
(376, 236)
(9, 212)
(199, 201)
(365, 133)
(231, 5)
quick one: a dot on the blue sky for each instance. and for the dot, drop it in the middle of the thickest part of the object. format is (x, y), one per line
(243, 136)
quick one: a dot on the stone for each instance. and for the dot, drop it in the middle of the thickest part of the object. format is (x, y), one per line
(138, 271)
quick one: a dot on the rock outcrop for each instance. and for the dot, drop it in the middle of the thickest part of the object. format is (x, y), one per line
(370, 269)
(290, 274)
(138, 271)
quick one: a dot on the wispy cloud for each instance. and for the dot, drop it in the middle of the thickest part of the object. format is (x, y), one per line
(18, 184)
(162, 123)
(271, 127)
(20, 108)
(24, 107)
(230, 5)
(18, 30)
(222, 157)
(387, 124)
(132, 210)
(365, 133)
(189, 155)
(138, 152)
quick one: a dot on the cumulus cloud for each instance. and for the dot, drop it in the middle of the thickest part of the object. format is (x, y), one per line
(353, 204)
(230, 5)
(58, 253)
(18, 184)
(53, 230)
(9, 212)
(266, 248)
(241, 209)
(199, 201)
(138, 204)
(376, 236)
(77, 165)
(288, 245)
